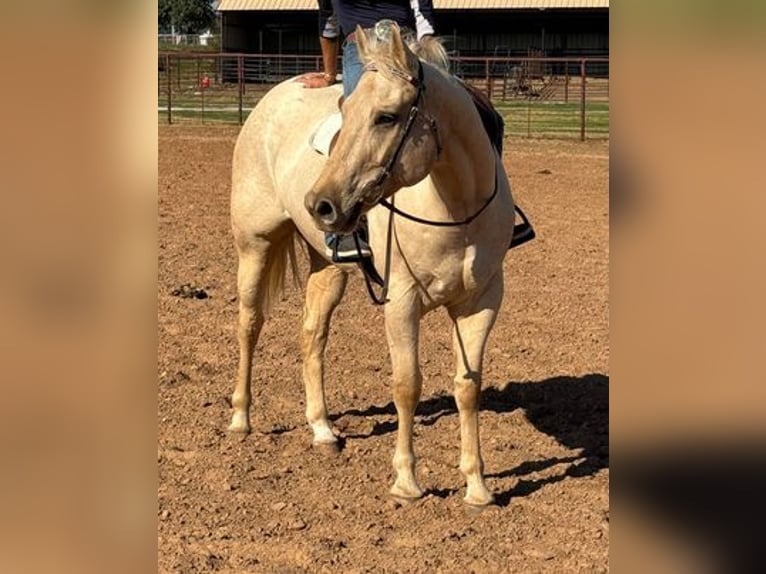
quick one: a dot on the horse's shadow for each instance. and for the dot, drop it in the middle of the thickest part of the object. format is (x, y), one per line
(573, 410)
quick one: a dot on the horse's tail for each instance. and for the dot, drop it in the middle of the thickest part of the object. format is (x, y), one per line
(282, 258)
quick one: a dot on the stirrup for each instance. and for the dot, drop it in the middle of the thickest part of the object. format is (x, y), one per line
(355, 250)
(522, 232)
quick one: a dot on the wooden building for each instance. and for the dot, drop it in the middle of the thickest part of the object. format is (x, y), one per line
(573, 28)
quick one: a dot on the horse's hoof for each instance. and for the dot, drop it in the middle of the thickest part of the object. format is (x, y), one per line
(323, 434)
(399, 501)
(406, 494)
(239, 427)
(479, 501)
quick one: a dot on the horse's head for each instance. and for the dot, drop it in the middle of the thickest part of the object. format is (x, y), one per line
(387, 140)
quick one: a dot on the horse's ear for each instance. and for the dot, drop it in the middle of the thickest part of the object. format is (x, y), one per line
(362, 44)
(398, 51)
(401, 54)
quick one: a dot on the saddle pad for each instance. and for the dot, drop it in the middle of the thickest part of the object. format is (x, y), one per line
(323, 136)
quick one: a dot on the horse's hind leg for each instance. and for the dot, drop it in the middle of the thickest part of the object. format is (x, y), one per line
(251, 293)
(324, 290)
(262, 266)
(469, 338)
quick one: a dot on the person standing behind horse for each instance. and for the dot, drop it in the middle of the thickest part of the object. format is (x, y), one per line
(341, 17)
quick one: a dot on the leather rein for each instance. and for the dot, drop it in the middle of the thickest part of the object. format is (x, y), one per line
(368, 270)
(413, 113)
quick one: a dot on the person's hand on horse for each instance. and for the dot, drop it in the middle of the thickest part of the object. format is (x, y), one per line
(316, 80)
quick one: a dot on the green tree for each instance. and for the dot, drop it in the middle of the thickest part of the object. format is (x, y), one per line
(187, 16)
(163, 16)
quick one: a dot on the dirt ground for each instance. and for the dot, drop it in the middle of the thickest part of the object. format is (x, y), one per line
(271, 503)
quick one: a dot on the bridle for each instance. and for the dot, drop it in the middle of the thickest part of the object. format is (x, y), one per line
(369, 272)
(419, 85)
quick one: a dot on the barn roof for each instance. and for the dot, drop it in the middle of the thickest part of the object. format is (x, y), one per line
(234, 5)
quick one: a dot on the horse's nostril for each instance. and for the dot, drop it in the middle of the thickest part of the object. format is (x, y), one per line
(325, 210)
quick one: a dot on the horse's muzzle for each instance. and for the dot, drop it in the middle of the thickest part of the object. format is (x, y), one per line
(328, 216)
(325, 212)
(322, 210)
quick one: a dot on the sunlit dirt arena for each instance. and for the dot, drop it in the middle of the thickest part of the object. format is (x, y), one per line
(270, 502)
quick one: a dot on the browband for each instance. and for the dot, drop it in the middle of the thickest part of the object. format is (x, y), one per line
(417, 82)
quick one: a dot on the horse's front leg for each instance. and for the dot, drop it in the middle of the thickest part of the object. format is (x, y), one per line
(324, 290)
(402, 331)
(471, 329)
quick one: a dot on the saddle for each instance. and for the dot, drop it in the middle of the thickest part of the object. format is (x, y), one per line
(493, 122)
(494, 125)
(323, 137)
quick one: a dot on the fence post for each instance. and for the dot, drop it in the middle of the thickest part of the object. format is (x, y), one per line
(486, 79)
(582, 100)
(491, 84)
(168, 75)
(240, 81)
(198, 86)
(529, 117)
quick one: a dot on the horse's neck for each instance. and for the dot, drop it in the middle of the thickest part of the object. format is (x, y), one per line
(464, 174)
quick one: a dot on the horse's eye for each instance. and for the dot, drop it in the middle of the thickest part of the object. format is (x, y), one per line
(385, 119)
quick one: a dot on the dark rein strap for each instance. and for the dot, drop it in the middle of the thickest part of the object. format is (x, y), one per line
(414, 110)
(420, 86)
(368, 270)
(465, 221)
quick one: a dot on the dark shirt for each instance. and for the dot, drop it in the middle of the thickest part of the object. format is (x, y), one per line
(348, 14)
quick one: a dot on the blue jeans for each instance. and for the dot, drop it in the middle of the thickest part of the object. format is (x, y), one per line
(352, 71)
(352, 68)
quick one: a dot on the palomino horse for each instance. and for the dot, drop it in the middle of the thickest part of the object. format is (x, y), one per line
(411, 134)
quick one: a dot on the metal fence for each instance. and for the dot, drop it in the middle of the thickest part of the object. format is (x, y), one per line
(189, 39)
(538, 97)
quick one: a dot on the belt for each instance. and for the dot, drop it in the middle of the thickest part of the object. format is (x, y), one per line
(351, 38)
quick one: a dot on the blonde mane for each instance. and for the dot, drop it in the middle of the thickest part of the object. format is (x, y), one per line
(429, 49)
